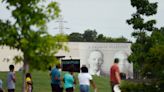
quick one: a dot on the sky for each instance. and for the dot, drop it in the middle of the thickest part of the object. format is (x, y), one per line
(107, 17)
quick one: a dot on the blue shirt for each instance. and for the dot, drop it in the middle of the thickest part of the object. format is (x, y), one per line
(68, 80)
(55, 73)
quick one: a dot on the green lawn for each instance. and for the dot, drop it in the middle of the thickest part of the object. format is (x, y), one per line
(41, 81)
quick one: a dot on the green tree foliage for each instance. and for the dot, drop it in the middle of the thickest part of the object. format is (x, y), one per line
(75, 37)
(147, 52)
(101, 38)
(120, 39)
(28, 32)
(92, 36)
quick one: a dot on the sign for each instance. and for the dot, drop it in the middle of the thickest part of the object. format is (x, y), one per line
(67, 63)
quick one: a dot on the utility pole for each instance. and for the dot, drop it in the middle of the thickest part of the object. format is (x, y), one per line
(61, 24)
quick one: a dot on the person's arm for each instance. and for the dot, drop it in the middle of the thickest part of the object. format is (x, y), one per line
(29, 81)
(14, 77)
(118, 77)
(57, 77)
(74, 79)
(93, 84)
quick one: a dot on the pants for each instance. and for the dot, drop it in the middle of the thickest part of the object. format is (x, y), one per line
(84, 88)
(11, 90)
(56, 88)
(69, 89)
(112, 86)
(1, 90)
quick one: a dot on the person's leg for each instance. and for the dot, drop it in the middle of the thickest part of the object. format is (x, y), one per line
(55, 88)
(52, 88)
(61, 88)
(87, 88)
(84, 88)
(112, 86)
(11, 90)
(69, 89)
(1, 90)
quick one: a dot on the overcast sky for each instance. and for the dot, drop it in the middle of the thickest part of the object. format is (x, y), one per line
(105, 16)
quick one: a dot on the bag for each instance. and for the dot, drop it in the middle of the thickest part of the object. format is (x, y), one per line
(116, 88)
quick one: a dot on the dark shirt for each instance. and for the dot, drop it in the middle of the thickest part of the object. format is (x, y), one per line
(55, 73)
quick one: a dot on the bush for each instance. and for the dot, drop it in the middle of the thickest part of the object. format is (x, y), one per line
(134, 86)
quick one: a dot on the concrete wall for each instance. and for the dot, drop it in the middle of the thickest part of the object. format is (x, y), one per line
(82, 50)
(6, 58)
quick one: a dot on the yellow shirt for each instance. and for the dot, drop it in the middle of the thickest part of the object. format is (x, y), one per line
(28, 86)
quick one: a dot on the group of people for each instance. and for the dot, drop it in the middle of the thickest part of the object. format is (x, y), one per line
(69, 80)
(84, 77)
(11, 80)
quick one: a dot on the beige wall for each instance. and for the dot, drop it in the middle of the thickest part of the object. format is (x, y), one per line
(81, 50)
(6, 58)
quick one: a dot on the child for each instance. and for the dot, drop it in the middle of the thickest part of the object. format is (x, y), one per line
(28, 82)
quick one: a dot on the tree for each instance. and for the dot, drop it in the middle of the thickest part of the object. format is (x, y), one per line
(156, 55)
(101, 38)
(90, 35)
(147, 52)
(28, 33)
(120, 39)
(143, 41)
(75, 37)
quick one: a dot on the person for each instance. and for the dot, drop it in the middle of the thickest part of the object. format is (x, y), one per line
(69, 80)
(11, 79)
(29, 83)
(115, 74)
(85, 79)
(95, 62)
(56, 79)
(1, 89)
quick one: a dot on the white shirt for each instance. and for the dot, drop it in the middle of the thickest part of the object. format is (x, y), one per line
(84, 78)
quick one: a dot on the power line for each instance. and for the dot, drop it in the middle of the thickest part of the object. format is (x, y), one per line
(61, 25)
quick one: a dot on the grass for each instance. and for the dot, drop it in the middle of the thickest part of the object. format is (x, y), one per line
(41, 81)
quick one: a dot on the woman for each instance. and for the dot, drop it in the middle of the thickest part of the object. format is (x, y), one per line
(69, 80)
(28, 82)
(85, 79)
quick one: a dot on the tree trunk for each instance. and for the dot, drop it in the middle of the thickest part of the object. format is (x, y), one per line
(25, 70)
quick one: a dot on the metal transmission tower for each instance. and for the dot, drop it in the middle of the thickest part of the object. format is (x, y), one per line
(61, 24)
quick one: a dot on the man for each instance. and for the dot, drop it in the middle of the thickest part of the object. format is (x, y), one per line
(115, 74)
(11, 79)
(95, 62)
(55, 79)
